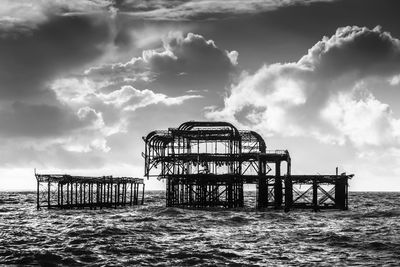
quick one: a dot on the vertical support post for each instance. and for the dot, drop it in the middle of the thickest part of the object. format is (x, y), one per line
(262, 193)
(278, 185)
(48, 193)
(118, 193)
(143, 194)
(111, 193)
(76, 194)
(90, 195)
(80, 195)
(37, 194)
(341, 193)
(99, 195)
(108, 194)
(62, 195)
(72, 194)
(131, 196)
(115, 196)
(315, 194)
(288, 193)
(58, 195)
(169, 192)
(83, 195)
(67, 194)
(262, 186)
(125, 189)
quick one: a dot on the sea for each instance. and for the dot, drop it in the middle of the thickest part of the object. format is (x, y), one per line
(368, 234)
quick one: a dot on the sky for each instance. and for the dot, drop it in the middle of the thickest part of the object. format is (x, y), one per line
(82, 81)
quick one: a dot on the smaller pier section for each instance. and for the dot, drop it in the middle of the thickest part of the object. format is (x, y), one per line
(63, 191)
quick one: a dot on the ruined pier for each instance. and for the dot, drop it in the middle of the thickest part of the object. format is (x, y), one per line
(206, 164)
(63, 191)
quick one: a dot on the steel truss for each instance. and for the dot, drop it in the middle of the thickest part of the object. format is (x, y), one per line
(205, 164)
(65, 191)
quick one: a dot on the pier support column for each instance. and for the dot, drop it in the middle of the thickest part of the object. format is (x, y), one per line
(278, 185)
(143, 185)
(230, 195)
(315, 194)
(262, 194)
(62, 195)
(38, 196)
(262, 185)
(48, 194)
(341, 193)
(288, 193)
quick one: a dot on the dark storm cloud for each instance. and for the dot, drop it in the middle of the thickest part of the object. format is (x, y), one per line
(39, 121)
(34, 123)
(29, 60)
(354, 49)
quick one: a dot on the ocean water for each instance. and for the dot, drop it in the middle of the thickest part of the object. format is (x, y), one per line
(153, 235)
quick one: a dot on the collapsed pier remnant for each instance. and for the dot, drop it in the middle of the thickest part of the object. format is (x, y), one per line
(206, 164)
(65, 191)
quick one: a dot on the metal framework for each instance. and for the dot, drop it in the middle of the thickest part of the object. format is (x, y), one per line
(65, 191)
(206, 164)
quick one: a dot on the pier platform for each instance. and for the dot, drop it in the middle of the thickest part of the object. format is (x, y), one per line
(63, 191)
(207, 164)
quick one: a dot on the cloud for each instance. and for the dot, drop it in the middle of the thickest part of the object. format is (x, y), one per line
(357, 50)
(130, 99)
(30, 62)
(363, 119)
(395, 80)
(43, 127)
(182, 58)
(58, 46)
(40, 121)
(26, 15)
(31, 116)
(56, 109)
(114, 109)
(325, 94)
(202, 9)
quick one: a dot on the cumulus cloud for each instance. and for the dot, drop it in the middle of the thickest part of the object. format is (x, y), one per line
(325, 94)
(80, 92)
(355, 50)
(182, 58)
(108, 112)
(129, 98)
(363, 119)
(74, 113)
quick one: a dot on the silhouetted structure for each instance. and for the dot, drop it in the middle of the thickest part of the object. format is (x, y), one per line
(66, 191)
(206, 164)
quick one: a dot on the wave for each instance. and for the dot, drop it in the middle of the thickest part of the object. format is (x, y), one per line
(367, 234)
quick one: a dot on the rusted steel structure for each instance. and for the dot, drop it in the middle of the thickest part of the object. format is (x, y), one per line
(206, 164)
(63, 191)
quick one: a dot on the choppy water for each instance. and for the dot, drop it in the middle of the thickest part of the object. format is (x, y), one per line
(367, 234)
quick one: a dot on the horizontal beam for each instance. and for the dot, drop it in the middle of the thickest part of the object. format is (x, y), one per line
(66, 178)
